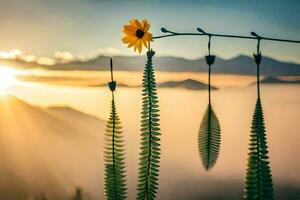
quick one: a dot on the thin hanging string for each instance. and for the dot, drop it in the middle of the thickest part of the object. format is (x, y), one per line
(149, 46)
(258, 68)
(111, 70)
(112, 77)
(209, 41)
(209, 68)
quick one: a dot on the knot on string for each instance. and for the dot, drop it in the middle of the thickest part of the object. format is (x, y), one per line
(257, 58)
(210, 59)
(150, 53)
(112, 85)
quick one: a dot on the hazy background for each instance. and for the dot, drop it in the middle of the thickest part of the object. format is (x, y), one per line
(53, 150)
(52, 121)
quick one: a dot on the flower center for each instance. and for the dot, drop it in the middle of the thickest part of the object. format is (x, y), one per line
(139, 33)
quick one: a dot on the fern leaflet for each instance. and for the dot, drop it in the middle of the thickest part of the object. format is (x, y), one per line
(209, 138)
(115, 183)
(258, 183)
(150, 132)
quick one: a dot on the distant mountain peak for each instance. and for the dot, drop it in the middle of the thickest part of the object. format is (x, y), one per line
(274, 80)
(240, 56)
(187, 84)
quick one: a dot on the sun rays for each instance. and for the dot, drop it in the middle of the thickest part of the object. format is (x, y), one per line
(7, 79)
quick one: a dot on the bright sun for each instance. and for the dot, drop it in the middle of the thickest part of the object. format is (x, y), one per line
(7, 78)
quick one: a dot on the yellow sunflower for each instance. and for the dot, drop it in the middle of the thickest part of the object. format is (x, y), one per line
(137, 35)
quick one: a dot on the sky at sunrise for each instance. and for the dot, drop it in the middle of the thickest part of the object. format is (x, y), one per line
(91, 27)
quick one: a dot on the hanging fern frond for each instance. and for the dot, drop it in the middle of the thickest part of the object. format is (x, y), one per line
(115, 183)
(78, 194)
(258, 183)
(209, 138)
(43, 197)
(150, 132)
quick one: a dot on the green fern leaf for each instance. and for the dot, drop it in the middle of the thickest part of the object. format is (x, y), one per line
(78, 194)
(115, 183)
(209, 138)
(150, 136)
(258, 183)
(43, 197)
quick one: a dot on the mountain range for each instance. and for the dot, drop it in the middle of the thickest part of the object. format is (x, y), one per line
(189, 84)
(243, 65)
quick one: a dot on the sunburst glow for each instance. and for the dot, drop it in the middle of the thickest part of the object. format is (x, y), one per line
(7, 78)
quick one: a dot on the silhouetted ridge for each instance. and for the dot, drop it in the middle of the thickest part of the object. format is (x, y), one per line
(272, 79)
(241, 64)
(187, 84)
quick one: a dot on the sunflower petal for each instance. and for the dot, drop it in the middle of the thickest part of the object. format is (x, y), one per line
(138, 24)
(147, 36)
(145, 42)
(146, 26)
(135, 46)
(143, 22)
(129, 30)
(132, 23)
(133, 43)
(140, 46)
(127, 39)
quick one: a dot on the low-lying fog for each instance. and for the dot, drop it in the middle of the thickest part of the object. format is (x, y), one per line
(54, 150)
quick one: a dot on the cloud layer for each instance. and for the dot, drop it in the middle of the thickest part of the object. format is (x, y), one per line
(58, 56)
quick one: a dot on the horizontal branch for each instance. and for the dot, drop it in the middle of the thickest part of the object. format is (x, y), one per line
(203, 33)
